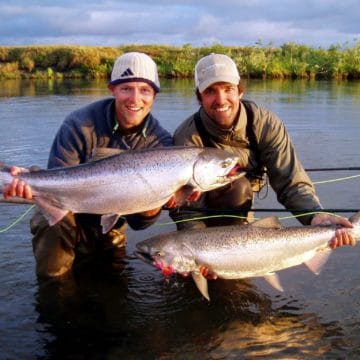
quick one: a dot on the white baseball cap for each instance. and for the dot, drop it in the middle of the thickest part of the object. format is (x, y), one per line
(135, 66)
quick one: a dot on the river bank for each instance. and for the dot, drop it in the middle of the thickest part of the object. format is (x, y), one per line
(257, 61)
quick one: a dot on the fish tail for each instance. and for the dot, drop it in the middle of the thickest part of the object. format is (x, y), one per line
(355, 219)
(5, 177)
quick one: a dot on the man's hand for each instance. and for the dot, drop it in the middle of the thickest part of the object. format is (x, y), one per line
(341, 237)
(177, 199)
(150, 213)
(204, 271)
(17, 187)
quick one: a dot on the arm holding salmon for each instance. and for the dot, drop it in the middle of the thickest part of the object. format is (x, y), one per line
(342, 237)
(120, 122)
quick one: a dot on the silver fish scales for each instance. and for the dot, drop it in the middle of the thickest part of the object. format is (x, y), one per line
(131, 182)
(259, 249)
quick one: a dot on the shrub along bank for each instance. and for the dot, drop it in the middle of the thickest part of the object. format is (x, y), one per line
(287, 61)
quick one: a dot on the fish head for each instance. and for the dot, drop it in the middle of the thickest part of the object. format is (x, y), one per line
(215, 168)
(166, 254)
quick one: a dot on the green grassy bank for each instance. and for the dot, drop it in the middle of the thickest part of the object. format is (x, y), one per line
(287, 61)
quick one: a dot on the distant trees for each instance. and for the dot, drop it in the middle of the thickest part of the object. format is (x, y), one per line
(258, 61)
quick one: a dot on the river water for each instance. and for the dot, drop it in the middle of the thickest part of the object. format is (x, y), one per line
(129, 311)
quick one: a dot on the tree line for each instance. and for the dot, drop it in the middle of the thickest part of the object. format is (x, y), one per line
(290, 60)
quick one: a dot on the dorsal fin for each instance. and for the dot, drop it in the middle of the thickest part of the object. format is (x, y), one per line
(271, 222)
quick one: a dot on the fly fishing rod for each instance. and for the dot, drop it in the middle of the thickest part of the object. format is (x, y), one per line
(239, 210)
(351, 168)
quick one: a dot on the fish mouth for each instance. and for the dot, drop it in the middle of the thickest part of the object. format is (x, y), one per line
(236, 172)
(144, 256)
(147, 258)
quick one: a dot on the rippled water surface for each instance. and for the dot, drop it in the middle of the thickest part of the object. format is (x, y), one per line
(126, 309)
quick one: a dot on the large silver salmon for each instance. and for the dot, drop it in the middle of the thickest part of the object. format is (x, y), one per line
(131, 182)
(242, 251)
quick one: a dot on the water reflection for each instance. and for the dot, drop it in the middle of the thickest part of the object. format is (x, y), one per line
(31, 88)
(102, 311)
(284, 90)
(122, 312)
(282, 336)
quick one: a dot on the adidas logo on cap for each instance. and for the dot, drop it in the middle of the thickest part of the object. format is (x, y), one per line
(127, 72)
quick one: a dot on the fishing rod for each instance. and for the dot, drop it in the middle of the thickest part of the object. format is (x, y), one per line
(16, 201)
(351, 168)
(348, 168)
(239, 210)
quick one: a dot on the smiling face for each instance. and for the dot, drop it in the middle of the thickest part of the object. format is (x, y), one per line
(133, 102)
(221, 102)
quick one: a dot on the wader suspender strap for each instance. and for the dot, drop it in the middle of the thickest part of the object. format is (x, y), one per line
(209, 140)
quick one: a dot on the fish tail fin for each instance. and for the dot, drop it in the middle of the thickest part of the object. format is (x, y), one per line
(5, 177)
(355, 219)
(201, 284)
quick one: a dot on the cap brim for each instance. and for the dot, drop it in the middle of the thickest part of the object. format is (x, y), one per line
(135, 79)
(227, 79)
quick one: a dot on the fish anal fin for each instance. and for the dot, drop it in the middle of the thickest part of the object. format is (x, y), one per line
(201, 284)
(270, 222)
(108, 221)
(316, 263)
(53, 214)
(274, 281)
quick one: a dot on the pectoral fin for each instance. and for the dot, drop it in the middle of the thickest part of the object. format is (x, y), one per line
(52, 213)
(201, 284)
(108, 221)
(273, 280)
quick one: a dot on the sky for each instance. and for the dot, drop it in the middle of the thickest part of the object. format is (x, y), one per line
(318, 23)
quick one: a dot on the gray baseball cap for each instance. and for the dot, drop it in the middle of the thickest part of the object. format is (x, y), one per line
(215, 68)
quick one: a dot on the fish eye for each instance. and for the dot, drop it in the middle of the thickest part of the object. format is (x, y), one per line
(159, 254)
(226, 163)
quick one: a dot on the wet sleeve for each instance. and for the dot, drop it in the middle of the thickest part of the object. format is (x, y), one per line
(68, 146)
(287, 177)
(139, 222)
(186, 135)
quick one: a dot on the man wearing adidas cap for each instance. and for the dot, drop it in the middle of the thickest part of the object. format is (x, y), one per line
(225, 120)
(100, 129)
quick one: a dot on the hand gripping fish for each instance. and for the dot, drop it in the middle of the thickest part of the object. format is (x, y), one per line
(242, 251)
(128, 183)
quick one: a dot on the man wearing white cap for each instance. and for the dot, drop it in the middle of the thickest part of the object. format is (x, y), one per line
(225, 120)
(100, 129)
